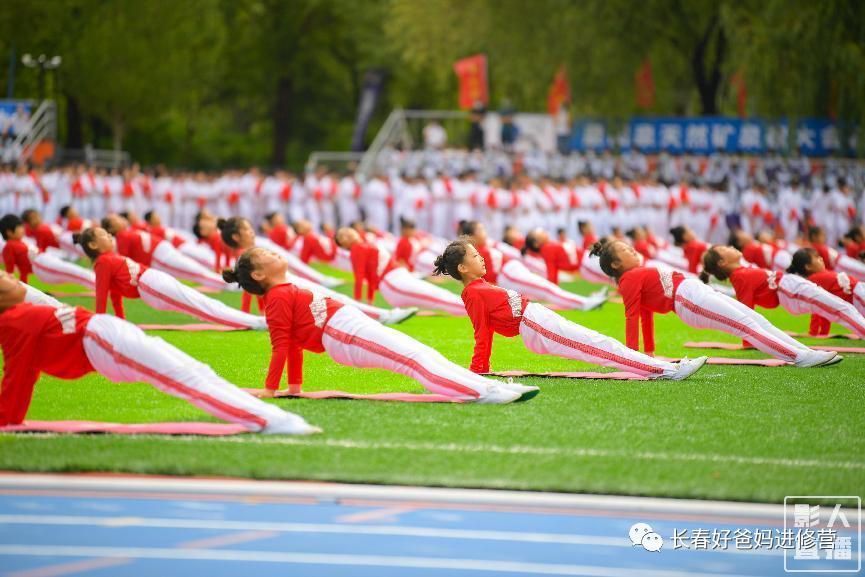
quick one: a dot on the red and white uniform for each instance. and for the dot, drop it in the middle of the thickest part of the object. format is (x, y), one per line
(15, 255)
(300, 320)
(70, 342)
(768, 289)
(44, 236)
(512, 274)
(52, 270)
(840, 262)
(296, 265)
(313, 246)
(120, 277)
(842, 286)
(647, 291)
(693, 251)
(493, 309)
(557, 258)
(399, 288)
(767, 256)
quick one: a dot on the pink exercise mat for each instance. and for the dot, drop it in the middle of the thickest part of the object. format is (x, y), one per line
(733, 361)
(848, 336)
(192, 327)
(394, 397)
(739, 347)
(615, 376)
(61, 294)
(86, 427)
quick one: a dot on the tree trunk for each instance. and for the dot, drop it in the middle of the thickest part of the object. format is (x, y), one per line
(74, 133)
(282, 119)
(706, 76)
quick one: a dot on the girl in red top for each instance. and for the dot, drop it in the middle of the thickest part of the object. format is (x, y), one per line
(38, 230)
(493, 309)
(240, 236)
(684, 238)
(313, 246)
(278, 231)
(70, 342)
(807, 263)
(647, 291)
(300, 320)
(206, 230)
(832, 258)
(769, 289)
(512, 274)
(760, 254)
(154, 227)
(69, 219)
(118, 277)
(149, 250)
(399, 288)
(557, 256)
(15, 250)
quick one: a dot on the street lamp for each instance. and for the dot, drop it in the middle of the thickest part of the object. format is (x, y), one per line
(43, 63)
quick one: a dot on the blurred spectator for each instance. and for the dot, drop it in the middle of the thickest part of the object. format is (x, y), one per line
(435, 137)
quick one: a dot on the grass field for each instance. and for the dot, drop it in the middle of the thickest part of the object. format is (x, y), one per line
(739, 433)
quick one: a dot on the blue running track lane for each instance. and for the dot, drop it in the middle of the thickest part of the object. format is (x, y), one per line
(88, 525)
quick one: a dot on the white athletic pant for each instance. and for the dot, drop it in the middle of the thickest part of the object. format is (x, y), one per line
(69, 246)
(168, 259)
(369, 310)
(701, 307)
(37, 297)
(122, 353)
(782, 260)
(859, 298)
(297, 266)
(800, 296)
(547, 333)
(200, 253)
(515, 276)
(352, 339)
(52, 270)
(590, 270)
(400, 289)
(852, 266)
(165, 293)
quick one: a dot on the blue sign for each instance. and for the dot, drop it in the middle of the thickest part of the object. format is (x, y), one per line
(706, 135)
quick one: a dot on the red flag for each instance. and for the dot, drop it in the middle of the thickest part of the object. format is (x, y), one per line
(645, 85)
(472, 74)
(560, 92)
(738, 81)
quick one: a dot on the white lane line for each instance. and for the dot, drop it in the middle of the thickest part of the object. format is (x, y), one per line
(381, 530)
(578, 452)
(488, 565)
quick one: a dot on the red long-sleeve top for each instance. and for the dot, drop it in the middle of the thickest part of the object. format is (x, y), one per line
(645, 248)
(38, 339)
(825, 253)
(645, 291)
(16, 254)
(161, 233)
(557, 258)
(759, 254)
(246, 302)
(494, 260)
(75, 224)
(491, 309)
(369, 263)
(44, 236)
(589, 240)
(222, 252)
(280, 235)
(406, 251)
(116, 276)
(839, 284)
(136, 245)
(756, 286)
(694, 250)
(296, 319)
(317, 247)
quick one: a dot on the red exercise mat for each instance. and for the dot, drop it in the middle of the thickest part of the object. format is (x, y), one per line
(615, 376)
(86, 427)
(397, 397)
(848, 336)
(734, 361)
(739, 347)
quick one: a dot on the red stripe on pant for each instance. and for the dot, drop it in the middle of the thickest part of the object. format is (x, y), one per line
(183, 273)
(235, 412)
(188, 309)
(71, 277)
(419, 297)
(822, 306)
(590, 350)
(545, 290)
(696, 309)
(412, 364)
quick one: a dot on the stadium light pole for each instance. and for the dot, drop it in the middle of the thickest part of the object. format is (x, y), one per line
(43, 63)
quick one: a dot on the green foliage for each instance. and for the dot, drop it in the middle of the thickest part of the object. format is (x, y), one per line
(215, 83)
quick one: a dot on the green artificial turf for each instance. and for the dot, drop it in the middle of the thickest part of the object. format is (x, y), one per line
(741, 433)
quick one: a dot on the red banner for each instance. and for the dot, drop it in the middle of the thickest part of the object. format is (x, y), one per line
(738, 81)
(645, 85)
(560, 92)
(472, 73)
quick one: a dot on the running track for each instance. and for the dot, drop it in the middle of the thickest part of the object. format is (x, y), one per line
(83, 525)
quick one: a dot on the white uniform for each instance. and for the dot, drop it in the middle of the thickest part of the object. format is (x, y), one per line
(800, 296)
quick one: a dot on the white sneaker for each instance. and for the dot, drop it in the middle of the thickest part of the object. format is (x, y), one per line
(833, 361)
(604, 291)
(398, 315)
(686, 367)
(497, 395)
(290, 427)
(816, 359)
(526, 391)
(331, 282)
(595, 301)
